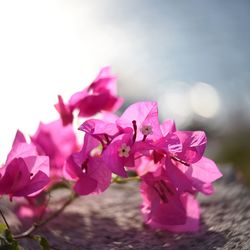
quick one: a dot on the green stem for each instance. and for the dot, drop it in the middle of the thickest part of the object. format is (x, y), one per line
(4, 219)
(119, 180)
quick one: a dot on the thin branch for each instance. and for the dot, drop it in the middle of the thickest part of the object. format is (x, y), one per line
(118, 179)
(37, 225)
(4, 219)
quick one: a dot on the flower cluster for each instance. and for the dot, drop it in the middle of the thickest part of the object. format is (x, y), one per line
(169, 163)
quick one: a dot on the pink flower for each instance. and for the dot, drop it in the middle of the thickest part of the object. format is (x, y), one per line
(192, 222)
(65, 111)
(162, 204)
(189, 165)
(193, 145)
(89, 171)
(101, 95)
(166, 206)
(142, 117)
(120, 153)
(103, 131)
(56, 141)
(200, 174)
(31, 207)
(25, 173)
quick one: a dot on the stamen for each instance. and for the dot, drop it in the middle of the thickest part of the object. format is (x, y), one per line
(135, 130)
(107, 139)
(163, 190)
(181, 161)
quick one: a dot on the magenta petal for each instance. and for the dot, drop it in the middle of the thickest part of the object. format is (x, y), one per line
(168, 144)
(64, 111)
(203, 173)
(105, 81)
(15, 177)
(56, 141)
(170, 213)
(168, 126)
(35, 186)
(144, 113)
(158, 212)
(72, 168)
(111, 156)
(193, 216)
(85, 185)
(19, 138)
(98, 127)
(177, 177)
(38, 163)
(93, 104)
(98, 171)
(21, 150)
(76, 98)
(193, 143)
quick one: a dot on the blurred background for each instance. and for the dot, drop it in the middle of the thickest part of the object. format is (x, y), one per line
(191, 56)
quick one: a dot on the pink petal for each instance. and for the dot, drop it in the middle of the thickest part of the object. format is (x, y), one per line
(56, 141)
(113, 161)
(76, 98)
(35, 186)
(168, 126)
(98, 171)
(144, 113)
(99, 127)
(64, 111)
(93, 104)
(193, 143)
(19, 138)
(21, 150)
(85, 185)
(38, 163)
(193, 216)
(15, 177)
(177, 177)
(203, 173)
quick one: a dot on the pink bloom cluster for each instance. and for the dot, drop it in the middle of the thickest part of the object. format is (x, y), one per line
(169, 163)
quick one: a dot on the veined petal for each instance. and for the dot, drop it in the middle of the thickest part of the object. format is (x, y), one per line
(85, 185)
(193, 145)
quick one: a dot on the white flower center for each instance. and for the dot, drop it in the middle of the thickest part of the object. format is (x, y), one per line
(146, 130)
(124, 150)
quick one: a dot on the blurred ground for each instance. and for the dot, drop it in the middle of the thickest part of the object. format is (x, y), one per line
(113, 221)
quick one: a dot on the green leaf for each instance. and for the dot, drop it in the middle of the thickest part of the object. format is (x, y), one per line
(3, 227)
(44, 244)
(7, 241)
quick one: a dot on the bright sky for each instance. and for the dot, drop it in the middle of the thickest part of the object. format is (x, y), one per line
(46, 48)
(191, 56)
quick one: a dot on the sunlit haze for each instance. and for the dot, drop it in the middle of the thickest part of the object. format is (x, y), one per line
(191, 56)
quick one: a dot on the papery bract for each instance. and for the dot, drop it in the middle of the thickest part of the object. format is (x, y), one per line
(120, 153)
(100, 95)
(65, 111)
(56, 141)
(193, 145)
(25, 173)
(142, 117)
(161, 201)
(192, 222)
(201, 174)
(89, 171)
